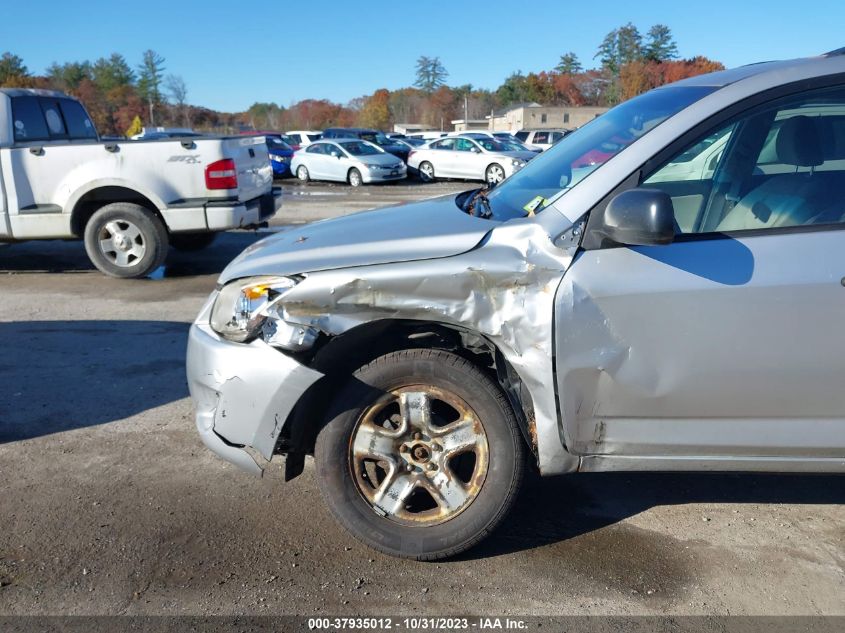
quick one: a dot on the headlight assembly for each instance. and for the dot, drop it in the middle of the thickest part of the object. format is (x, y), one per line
(241, 307)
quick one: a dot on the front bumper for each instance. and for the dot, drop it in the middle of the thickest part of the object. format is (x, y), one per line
(369, 176)
(281, 168)
(242, 393)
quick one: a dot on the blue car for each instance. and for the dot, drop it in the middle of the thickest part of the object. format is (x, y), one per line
(280, 155)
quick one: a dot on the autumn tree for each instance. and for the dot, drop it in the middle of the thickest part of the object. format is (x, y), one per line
(376, 110)
(12, 70)
(660, 46)
(150, 76)
(264, 116)
(569, 64)
(431, 74)
(135, 128)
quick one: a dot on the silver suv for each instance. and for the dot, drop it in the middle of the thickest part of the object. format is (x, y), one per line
(605, 308)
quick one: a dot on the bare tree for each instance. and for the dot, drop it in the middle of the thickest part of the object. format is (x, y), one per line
(178, 90)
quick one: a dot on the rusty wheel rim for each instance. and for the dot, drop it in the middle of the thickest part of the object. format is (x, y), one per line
(419, 455)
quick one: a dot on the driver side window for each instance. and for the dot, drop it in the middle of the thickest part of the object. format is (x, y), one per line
(782, 165)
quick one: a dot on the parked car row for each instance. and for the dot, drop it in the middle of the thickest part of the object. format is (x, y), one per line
(332, 155)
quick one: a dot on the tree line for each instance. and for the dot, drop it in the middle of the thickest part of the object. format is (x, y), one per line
(121, 98)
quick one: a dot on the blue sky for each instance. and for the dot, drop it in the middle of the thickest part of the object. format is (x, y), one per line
(232, 54)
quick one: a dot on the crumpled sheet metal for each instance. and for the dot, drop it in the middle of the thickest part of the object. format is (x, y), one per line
(504, 290)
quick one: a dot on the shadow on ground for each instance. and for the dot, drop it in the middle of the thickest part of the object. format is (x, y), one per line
(556, 510)
(58, 256)
(63, 375)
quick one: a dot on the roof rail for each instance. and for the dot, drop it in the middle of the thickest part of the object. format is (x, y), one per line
(838, 51)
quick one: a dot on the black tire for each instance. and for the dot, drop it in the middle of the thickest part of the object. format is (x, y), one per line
(424, 167)
(354, 178)
(192, 241)
(504, 443)
(302, 174)
(148, 238)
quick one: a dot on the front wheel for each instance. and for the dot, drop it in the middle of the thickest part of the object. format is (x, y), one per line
(494, 174)
(126, 240)
(355, 177)
(421, 456)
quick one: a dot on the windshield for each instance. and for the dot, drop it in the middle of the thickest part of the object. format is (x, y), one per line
(379, 139)
(492, 145)
(513, 146)
(276, 143)
(359, 148)
(561, 167)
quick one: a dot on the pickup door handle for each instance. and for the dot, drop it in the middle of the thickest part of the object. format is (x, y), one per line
(36, 151)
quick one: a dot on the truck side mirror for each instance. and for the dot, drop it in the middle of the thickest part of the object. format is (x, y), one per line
(639, 217)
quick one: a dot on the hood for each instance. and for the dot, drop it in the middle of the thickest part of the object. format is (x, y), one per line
(387, 159)
(520, 155)
(422, 230)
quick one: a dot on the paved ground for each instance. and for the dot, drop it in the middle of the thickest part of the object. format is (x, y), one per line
(111, 505)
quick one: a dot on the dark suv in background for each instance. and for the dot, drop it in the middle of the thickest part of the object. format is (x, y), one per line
(373, 136)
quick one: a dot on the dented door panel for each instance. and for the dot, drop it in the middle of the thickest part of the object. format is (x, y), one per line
(716, 347)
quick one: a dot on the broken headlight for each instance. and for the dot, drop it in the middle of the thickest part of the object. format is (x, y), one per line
(241, 307)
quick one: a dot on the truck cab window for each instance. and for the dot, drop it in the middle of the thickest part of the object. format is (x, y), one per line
(29, 123)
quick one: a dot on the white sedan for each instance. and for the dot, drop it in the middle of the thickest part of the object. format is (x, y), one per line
(347, 160)
(484, 159)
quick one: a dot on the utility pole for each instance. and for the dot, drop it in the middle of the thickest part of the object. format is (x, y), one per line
(466, 110)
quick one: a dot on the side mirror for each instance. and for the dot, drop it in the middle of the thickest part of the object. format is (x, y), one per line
(335, 154)
(639, 217)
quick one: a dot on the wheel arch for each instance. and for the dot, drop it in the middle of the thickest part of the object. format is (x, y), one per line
(86, 202)
(339, 356)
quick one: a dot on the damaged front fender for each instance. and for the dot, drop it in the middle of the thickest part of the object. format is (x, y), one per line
(504, 290)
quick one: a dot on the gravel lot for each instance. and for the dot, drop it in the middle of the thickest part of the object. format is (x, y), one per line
(111, 504)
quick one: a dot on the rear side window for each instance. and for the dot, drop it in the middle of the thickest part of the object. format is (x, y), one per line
(79, 126)
(53, 117)
(314, 137)
(522, 136)
(28, 120)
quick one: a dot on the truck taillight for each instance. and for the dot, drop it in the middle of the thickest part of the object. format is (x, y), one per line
(221, 175)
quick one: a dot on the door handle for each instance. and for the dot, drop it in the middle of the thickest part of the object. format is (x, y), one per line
(36, 151)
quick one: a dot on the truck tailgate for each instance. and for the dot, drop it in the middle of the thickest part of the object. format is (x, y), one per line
(255, 175)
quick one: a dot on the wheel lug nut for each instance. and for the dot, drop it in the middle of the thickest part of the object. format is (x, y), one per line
(409, 468)
(403, 448)
(432, 466)
(417, 435)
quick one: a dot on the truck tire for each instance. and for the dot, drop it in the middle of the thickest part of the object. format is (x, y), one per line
(126, 240)
(192, 241)
(421, 456)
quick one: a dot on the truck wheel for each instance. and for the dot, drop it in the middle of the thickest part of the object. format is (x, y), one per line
(192, 241)
(421, 456)
(125, 240)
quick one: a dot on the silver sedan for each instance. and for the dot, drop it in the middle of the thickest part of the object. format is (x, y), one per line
(484, 159)
(347, 160)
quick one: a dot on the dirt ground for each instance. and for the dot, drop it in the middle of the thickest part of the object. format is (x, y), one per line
(112, 505)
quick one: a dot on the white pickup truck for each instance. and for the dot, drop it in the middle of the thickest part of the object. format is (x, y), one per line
(128, 200)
